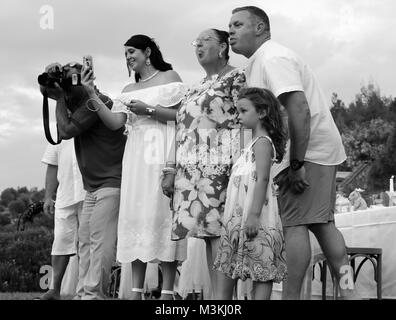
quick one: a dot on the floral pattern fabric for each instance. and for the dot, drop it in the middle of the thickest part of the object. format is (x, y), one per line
(207, 138)
(263, 258)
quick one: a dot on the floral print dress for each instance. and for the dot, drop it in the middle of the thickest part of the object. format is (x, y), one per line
(263, 258)
(207, 138)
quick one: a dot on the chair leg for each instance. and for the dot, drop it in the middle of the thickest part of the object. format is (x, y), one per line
(324, 279)
(379, 277)
(335, 288)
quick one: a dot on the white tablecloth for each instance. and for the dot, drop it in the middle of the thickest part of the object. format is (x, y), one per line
(372, 228)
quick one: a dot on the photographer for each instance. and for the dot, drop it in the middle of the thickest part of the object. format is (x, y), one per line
(99, 153)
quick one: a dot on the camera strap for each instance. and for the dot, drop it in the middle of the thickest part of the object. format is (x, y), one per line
(46, 122)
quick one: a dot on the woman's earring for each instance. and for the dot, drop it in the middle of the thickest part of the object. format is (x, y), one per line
(148, 62)
(220, 55)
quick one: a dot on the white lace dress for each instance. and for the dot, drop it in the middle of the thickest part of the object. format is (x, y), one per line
(145, 219)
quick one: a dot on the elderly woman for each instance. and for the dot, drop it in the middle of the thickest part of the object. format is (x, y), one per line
(207, 135)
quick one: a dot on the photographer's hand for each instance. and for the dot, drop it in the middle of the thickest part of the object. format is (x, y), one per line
(56, 93)
(87, 80)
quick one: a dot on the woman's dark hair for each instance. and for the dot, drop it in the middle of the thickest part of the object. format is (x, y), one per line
(143, 42)
(223, 37)
(265, 101)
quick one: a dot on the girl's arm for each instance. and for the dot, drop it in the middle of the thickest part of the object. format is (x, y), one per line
(263, 154)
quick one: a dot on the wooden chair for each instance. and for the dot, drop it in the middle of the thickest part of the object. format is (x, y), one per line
(374, 255)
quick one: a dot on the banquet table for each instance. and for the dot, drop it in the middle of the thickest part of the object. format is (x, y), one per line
(371, 228)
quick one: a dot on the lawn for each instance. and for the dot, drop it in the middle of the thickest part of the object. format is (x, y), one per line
(24, 296)
(19, 295)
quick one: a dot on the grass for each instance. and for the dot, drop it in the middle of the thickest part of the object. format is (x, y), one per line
(19, 295)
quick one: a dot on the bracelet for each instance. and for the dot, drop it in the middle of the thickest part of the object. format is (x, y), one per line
(170, 164)
(150, 112)
(169, 170)
(87, 105)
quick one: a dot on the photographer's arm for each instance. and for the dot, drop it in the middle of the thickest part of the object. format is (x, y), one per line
(113, 121)
(71, 126)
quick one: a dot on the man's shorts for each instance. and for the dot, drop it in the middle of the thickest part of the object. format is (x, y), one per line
(66, 230)
(317, 203)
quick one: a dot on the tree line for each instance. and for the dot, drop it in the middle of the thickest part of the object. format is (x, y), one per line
(368, 130)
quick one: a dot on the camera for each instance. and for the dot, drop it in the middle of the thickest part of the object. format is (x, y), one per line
(66, 76)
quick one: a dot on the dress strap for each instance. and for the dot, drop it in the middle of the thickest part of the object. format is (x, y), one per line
(270, 140)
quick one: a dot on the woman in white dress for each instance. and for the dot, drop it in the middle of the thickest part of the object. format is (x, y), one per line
(148, 109)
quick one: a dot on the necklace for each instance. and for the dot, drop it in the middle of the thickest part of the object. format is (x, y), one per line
(151, 77)
(217, 75)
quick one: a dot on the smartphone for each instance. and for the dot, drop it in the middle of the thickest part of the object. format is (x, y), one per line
(88, 62)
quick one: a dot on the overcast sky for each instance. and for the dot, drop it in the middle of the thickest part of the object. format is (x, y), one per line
(347, 43)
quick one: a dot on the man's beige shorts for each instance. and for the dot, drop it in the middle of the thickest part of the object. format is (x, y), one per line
(66, 230)
(316, 204)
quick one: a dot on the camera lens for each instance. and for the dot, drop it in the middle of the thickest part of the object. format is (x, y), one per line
(43, 79)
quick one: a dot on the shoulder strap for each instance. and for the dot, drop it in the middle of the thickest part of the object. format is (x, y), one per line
(46, 122)
(270, 140)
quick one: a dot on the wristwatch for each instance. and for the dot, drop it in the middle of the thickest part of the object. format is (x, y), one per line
(150, 112)
(296, 164)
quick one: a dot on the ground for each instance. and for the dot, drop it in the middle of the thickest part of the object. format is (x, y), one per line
(20, 295)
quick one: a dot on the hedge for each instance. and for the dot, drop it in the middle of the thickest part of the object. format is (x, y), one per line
(22, 254)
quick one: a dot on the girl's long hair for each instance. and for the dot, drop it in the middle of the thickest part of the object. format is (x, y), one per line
(265, 102)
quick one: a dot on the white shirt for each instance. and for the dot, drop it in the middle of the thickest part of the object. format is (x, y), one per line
(70, 190)
(280, 70)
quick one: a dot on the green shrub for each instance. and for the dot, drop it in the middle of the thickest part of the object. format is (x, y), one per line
(4, 219)
(22, 255)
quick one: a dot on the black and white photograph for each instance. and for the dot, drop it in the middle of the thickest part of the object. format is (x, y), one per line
(224, 151)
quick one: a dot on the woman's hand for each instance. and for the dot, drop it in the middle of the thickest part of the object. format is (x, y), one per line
(252, 226)
(167, 184)
(138, 107)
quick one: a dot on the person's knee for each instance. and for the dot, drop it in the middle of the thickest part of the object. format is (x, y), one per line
(297, 231)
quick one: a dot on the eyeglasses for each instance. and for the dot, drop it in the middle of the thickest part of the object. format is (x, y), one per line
(200, 41)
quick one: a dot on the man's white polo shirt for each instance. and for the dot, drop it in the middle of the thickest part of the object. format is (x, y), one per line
(280, 70)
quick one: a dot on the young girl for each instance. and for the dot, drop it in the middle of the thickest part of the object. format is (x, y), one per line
(252, 244)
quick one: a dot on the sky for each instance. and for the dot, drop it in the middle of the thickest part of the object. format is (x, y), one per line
(348, 43)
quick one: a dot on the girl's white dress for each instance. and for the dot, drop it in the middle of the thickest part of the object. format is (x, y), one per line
(263, 258)
(145, 219)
